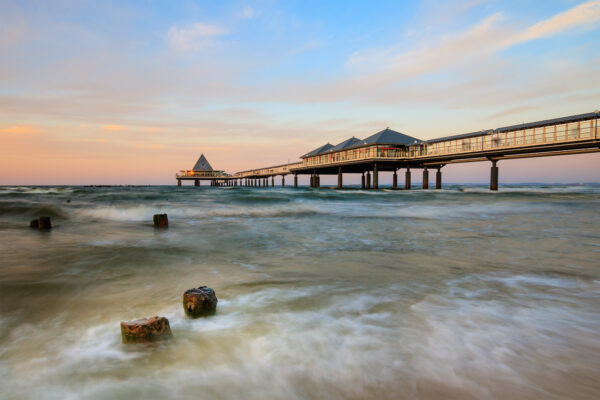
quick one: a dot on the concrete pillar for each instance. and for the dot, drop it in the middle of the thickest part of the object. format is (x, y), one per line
(494, 176)
(395, 180)
(368, 180)
(339, 186)
(178, 182)
(438, 178)
(375, 177)
(282, 180)
(362, 181)
(295, 180)
(407, 179)
(425, 178)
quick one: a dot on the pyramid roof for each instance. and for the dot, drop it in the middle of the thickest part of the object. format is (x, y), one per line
(202, 164)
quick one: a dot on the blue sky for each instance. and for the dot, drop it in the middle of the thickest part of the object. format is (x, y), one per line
(133, 91)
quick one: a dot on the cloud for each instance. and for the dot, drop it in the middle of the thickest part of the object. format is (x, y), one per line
(194, 37)
(584, 15)
(113, 128)
(247, 13)
(20, 130)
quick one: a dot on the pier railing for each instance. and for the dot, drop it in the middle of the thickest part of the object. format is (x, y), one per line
(201, 174)
(276, 170)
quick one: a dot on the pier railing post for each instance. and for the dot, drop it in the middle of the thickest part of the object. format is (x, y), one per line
(425, 178)
(339, 185)
(494, 176)
(438, 178)
(407, 179)
(375, 177)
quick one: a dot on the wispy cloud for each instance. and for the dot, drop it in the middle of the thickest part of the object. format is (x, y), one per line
(113, 127)
(194, 37)
(247, 13)
(584, 15)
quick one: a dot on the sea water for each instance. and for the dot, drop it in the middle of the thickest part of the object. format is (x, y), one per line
(459, 293)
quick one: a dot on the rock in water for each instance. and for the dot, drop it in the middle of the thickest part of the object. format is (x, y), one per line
(145, 330)
(44, 223)
(200, 302)
(161, 221)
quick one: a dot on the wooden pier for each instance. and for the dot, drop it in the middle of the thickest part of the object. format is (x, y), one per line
(393, 151)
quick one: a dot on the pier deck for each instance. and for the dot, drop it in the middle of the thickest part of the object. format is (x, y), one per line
(391, 151)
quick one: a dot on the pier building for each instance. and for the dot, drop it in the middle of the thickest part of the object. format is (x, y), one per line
(389, 150)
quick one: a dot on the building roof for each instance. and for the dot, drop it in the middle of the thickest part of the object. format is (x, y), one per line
(202, 164)
(388, 136)
(458, 137)
(554, 121)
(344, 145)
(318, 150)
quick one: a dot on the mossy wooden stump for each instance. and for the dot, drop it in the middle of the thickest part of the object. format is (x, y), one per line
(145, 330)
(200, 302)
(41, 223)
(161, 221)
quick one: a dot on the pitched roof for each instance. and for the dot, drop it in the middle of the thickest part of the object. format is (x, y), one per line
(388, 136)
(202, 164)
(318, 150)
(345, 144)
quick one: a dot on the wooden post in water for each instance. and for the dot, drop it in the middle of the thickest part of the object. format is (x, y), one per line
(368, 180)
(282, 180)
(407, 179)
(295, 181)
(178, 182)
(438, 178)
(362, 181)
(339, 185)
(273, 181)
(375, 177)
(395, 180)
(425, 178)
(494, 176)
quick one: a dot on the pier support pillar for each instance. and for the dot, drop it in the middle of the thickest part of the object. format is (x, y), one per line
(407, 179)
(494, 176)
(395, 180)
(438, 178)
(425, 178)
(375, 177)
(339, 186)
(295, 181)
(272, 181)
(362, 181)
(178, 182)
(368, 180)
(318, 180)
(282, 180)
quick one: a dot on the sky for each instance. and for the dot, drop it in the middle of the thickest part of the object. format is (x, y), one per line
(130, 92)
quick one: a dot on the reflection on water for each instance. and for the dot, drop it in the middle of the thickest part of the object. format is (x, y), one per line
(452, 294)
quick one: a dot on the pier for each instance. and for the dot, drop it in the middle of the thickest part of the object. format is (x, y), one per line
(396, 152)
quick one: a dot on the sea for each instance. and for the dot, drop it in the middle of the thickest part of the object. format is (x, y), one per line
(459, 293)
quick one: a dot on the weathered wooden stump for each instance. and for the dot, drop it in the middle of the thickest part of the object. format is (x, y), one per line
(41, 223)
(145, 330)
(200, 302)
(161, 221)
(44, 223)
